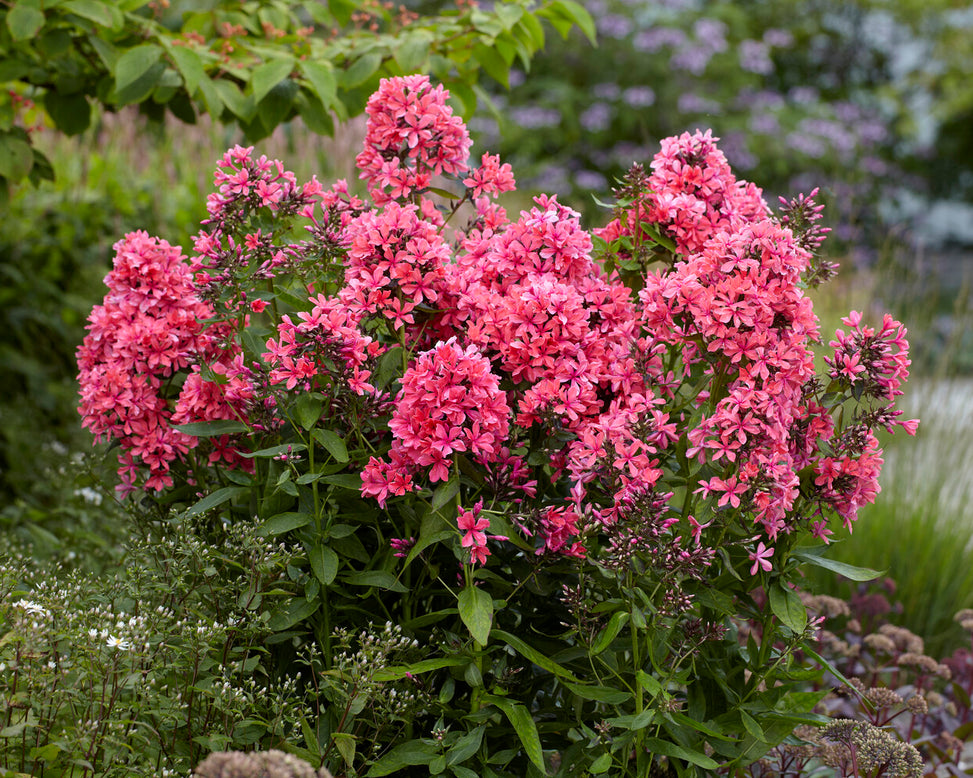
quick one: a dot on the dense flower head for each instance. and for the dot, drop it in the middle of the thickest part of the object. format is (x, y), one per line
(411, 135)
(450, 403)
(148, 328)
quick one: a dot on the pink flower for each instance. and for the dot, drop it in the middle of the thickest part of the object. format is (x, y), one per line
(761, 558)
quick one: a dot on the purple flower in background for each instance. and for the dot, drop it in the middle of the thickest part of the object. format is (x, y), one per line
(764, 124)
(598, 117)
(778, 38)
(804, 94)
(649, 41)
(833, 133)
(755, 57)
(690, 103)
(711, 34)
(606, 91)
(806, 144)
(691, 58)
(614, 25)
(533, 117)
(639, 96)
(734, 147)
(591, 180)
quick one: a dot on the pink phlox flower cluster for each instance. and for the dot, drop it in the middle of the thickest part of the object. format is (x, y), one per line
(262, 182)
(147, 329)
(877, 361)
(474, 529)
(450, 402)
(227, 397)
(411, 134)
(851, 481)
(396, 261)
(326, 344)
(558, 527)
(490, 178)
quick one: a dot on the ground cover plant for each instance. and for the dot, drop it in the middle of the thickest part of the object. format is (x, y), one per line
(549, 494)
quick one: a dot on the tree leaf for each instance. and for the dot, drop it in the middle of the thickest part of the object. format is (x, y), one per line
(412, 52)
(190, 67)
(71, 113)
(16, 157)
(135, 63)
(535, 656)
(24, 21)
(322, 79)
(103, 14)
(360, 70)
(268, 75)
(476, 611)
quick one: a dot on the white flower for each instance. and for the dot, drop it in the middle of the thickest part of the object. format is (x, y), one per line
(119, 644)
(33, 608)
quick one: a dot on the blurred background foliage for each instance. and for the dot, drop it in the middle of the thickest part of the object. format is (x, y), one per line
(871, 100)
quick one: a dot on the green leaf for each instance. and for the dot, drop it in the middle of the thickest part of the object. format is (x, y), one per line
(275, 451)
(135, 64)
(307, 409)
(70, 113)
(285, 522)
(601, 764)
(334, 444)
(243, 107)
(346, 745)
(610, 632)
(848, 571)
(414, 752)
(24, 21)
(324, 563)
(100, 13)
(16, 158)
(322, 80)
(211, 429)
(345, 480)
(412, 52)
(360, 70)
(268, 75)
(190, 67)
(603, 694)
(535, 656)
(425, 666)
(445, 493)
(297, 610)
(576, 13)
(218, 497)
(476, 611)
(786, 605)
(465, 747)
(523, 725)
(664, 747)
(379, 578)
(494, 64)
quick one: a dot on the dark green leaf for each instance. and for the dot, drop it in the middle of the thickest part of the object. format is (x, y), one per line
(285, 522)
(345, 480)
(603, 694)
(360, 70)
(16, 158)
(535, 656)
(610, 632)
(786, 605)
(494, 64)
(465, 747)
(307, 409)
(412, 52)
(414, 752)
(210, 429)
(100, 13)
(601, 764)
(379, 578)
(324, 563)
(275, 451)
(476, 611)
(666, 748)
(523, 725)
(297, 610)
(848, 571)
(322, 80)
(218, 497)
(425, 666)
(334, 444)
(576, 13)
(190, 67)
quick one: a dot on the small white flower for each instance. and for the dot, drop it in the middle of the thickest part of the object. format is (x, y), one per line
(33, 608)
(119, 644)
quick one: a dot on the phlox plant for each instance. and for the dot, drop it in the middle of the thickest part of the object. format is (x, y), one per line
(551, 491)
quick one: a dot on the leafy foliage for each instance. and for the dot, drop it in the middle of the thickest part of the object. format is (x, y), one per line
(256, 64)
